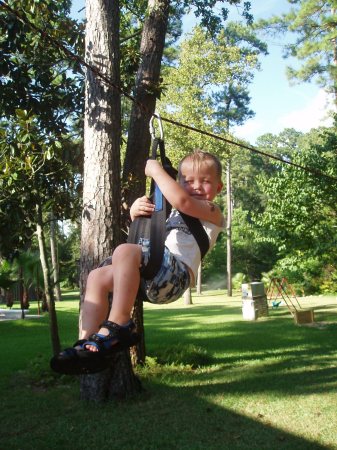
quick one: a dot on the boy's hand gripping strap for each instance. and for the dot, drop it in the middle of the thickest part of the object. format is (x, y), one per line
(153, 227)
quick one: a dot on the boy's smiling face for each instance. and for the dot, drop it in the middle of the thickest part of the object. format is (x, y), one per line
(200, 181)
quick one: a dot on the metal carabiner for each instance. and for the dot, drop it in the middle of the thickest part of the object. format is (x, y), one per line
(152, 129)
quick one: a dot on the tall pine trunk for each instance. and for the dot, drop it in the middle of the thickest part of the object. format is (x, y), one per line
(101, 230)
(146, 92)
(102, 135)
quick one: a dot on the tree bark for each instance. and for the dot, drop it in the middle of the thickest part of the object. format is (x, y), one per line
(138, 352)
(101, 230)
(21, 292)
(146, 91)
(199, 276)
(102, 136)
(112, 384)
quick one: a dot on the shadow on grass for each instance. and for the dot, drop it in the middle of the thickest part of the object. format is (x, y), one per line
(195, 423)
(273, 354)
(182, 411)
(169, 417)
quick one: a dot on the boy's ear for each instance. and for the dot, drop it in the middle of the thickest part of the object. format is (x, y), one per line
(219, 188)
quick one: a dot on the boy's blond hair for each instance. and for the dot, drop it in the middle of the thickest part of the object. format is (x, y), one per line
(199, 157)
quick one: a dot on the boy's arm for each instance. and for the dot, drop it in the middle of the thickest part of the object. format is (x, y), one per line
(180, 199)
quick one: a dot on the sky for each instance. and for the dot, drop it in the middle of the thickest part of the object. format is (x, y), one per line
(276, 103)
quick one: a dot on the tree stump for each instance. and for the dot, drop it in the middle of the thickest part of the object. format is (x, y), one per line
(117, 382)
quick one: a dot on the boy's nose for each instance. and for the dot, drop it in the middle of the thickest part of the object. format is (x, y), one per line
(197, 185)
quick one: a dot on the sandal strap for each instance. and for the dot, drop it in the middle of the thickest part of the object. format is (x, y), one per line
(119, 333)
(98, 340)
(115, 329)
(72, 351)
(79, 343)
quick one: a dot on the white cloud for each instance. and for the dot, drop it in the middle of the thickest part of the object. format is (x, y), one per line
(250, 130)
(313, 114)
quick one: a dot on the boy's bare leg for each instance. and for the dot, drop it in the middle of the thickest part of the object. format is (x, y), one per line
(95, 306)
(126, 278)
(122, 277)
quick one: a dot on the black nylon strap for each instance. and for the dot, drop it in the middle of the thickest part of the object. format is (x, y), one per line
(154, 227)
(198, 232)
(159, 216)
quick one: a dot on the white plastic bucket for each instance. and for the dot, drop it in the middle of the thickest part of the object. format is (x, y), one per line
(248, 310)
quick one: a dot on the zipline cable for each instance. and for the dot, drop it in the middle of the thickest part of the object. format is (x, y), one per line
(54, 42)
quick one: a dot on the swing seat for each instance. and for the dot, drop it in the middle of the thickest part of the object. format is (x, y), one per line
(304, 316)
(276, 304)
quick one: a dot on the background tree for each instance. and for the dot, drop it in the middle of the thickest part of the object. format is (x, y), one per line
(253, 253)
(38, 111)
(300, 212)
(36, 180)
(208, 89)
(40, 95)
(233, 106)
(313, 25)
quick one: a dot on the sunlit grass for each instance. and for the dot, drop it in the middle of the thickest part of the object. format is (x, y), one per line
(212, 380)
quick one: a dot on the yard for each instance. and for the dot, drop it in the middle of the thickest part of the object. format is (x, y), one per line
(212, 381)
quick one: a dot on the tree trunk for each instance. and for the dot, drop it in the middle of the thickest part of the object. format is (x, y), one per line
(21, 292)
(138, 352)
(229, 230)
(48, 290)
(188, 297)
(102, 137)
(334, 41)
(139, 139)
(54, 258)
(101, 230)
(199, 280)
(146, 92)
(112, 384)
(9, 298)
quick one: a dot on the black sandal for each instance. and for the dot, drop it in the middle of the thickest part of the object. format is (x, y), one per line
(78, 360)
(119, 338)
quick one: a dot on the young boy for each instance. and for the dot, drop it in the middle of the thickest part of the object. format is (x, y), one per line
(199, 181)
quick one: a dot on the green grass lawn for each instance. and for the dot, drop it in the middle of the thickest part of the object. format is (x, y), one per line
(213, 381)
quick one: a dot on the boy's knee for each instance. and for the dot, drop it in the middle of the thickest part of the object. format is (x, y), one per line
(126, 250)
(93, 274)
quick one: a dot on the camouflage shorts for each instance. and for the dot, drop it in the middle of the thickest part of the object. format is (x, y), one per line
(171, 281)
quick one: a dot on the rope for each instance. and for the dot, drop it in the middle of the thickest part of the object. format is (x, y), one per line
(54, 42)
